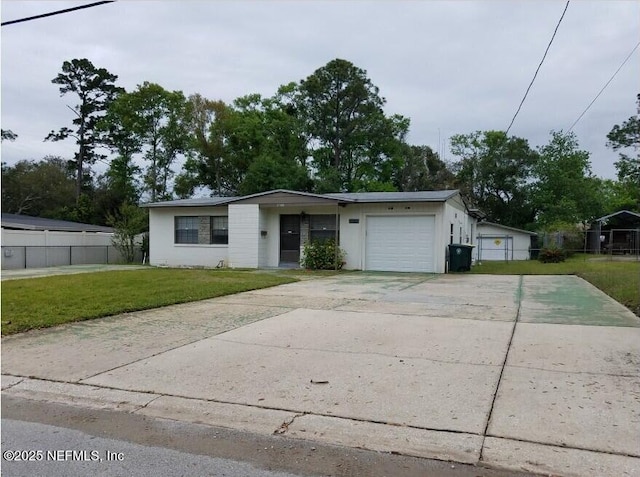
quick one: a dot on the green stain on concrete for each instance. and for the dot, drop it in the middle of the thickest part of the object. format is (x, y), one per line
(572, 301)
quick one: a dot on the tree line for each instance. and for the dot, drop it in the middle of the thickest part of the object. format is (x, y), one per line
(326, 133)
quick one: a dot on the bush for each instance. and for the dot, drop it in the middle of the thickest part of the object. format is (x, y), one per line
(129, 221)
(552, 255)
(323, 255)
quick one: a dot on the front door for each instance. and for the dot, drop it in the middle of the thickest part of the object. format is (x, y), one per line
(289, 238)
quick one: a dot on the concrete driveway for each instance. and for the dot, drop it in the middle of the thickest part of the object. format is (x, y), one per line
(536, 373)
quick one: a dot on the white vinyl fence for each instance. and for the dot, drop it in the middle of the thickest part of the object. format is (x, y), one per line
(37, 249)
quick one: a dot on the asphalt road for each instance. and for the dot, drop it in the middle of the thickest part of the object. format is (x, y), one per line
(38, 449)
(145, 446)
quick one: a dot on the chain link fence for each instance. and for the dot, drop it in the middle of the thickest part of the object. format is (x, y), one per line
(620, 244)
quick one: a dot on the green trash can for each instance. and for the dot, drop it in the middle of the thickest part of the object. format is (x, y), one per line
(460, 257)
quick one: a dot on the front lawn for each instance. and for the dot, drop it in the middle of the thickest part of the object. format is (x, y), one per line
(49, 301)
(620, 280)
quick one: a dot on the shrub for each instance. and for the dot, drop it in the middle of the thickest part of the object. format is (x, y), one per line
(322, 255)
(552, 255)
(129, 221)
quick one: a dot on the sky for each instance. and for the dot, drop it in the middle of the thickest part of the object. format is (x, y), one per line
(452, 67)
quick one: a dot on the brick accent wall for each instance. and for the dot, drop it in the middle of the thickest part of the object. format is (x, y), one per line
(204, 230)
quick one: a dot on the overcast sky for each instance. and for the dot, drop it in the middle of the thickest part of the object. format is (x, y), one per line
(450, 66)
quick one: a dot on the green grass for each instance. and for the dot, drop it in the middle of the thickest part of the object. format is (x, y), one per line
(620, 280)
(50, 301)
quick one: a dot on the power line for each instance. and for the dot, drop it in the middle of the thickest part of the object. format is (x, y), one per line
(57, 12)
(604, 87)
(538, 69)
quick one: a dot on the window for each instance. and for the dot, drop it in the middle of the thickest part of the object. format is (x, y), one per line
(220, 230)
(451, 234)
(186, 229)
(202, 230)
(322, 228)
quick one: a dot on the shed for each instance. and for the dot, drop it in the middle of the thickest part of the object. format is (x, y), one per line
(500, 242)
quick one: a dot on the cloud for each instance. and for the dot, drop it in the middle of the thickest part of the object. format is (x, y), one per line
(451, 67)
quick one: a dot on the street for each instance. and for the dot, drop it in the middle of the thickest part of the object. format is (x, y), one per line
(159, 447)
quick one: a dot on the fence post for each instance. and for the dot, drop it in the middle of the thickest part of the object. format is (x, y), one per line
(611, 244)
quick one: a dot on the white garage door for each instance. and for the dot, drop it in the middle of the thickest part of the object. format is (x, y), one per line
(400, 243)
(495, 248)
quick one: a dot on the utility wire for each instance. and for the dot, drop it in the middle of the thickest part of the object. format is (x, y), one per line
(538, 69)
(605, 86)
(57, 12)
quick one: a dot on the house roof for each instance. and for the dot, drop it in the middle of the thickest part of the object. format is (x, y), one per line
(290, 197)
(500, 226)
(623, 214)
(420, 196)
(344, 197)
(26, 222)
(199, 202)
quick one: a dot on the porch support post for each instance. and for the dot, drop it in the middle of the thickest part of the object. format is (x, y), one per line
(335, 257)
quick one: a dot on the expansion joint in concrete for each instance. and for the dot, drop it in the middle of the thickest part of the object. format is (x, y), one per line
(9, 386)
(143, 358)
(353, 353)
(504, 365)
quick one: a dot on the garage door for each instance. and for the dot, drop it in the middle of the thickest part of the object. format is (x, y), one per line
(400, 244)
(495, 248)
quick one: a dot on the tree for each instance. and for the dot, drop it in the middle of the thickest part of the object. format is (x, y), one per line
(493, 172)
(40, 189)
(422, 169)
(207, 165)
(266, 144)
(117, 186)
(154, 121)
(250, 146)
(9, 135)
(95, 88)
(118, 132)
(268, 173)
(617, 195)
(129, 221)
(622, 138)
(350, 136)
(564, 188)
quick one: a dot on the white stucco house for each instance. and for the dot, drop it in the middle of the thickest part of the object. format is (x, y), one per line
(384, 231)
(499, 242)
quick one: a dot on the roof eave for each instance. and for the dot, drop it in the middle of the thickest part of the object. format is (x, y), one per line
(515, 229)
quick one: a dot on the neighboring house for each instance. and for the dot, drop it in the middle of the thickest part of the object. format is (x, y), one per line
(385, 231)
(499, 242)
(34, 242)
(616, 233)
